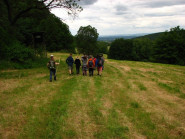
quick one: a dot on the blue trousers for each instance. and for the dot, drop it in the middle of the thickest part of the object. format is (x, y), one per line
(52, 72)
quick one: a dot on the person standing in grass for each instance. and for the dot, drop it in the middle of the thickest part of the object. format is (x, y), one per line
(94, 60)
(52, 67)
(91, 65)
(100, 64)
(78, 64)
(84, 65)
(70, 62)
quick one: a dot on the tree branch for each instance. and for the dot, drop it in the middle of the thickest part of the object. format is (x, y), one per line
(9, 10)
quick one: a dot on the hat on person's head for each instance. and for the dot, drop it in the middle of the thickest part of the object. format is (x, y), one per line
(100, 54)
(52, 56)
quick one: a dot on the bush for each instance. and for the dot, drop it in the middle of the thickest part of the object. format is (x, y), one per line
(18, 57)
(19, 53)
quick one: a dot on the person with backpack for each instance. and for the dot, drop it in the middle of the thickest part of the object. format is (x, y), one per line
(99, 64)
(91, 65)
(52, 67)
(70, 62)
(84, 65)
(78, 64)
(94, 60)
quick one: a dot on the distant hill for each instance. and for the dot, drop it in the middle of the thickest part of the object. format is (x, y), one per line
(151, 36)
(110, 38)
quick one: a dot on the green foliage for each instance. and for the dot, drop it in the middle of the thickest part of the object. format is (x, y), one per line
(103, 47)
(170, 47)
(19, 53)
(19, 56)
(57, 34)
(86, 39)
(153, 36)
(142, 49)
(121, 49)
(19, 19)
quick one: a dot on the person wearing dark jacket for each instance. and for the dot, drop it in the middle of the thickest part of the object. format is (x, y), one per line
(70, 62)
(78, 64)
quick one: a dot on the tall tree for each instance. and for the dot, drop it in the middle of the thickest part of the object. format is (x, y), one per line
(87, 40)
(121, 49)
(170, 47)
(17, 9)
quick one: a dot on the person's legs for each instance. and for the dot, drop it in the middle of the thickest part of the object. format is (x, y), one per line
(77, 70)
(92, 71)
(50, 79)
(70, 70)
(86, 71)
(89, 71)
(54, 73)
(100, 71)
(83, 70)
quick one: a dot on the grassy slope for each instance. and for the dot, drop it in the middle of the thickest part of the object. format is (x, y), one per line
(130, 100)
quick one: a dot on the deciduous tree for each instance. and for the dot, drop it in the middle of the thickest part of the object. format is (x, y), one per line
(87, 40)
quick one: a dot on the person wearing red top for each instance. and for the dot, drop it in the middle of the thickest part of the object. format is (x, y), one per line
(91, 65)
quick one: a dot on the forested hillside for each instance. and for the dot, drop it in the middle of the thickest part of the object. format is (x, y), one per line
(167, 47)
(20, 19)
(152, 36)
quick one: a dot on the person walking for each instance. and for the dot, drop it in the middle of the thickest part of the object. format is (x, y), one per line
(91, 65)
(94, 60)
(100, 64)
(70, 62)
(78, 64)
(52, 67)
(84, 65)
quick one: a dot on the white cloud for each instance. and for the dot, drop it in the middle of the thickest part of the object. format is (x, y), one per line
(128, 16)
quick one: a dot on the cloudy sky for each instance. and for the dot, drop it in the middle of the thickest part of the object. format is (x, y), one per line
(114, 17)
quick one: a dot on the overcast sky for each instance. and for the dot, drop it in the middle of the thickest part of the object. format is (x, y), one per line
(114, 17)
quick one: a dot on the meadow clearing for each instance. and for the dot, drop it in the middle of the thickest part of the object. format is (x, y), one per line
(131, 100)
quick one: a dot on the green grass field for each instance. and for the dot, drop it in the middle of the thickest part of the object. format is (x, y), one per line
(131, 100)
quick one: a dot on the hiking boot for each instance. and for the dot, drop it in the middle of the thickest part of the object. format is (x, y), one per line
(50, 80)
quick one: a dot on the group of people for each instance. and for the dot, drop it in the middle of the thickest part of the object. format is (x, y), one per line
(87, 63)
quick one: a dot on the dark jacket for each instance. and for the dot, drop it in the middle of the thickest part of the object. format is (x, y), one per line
(70, 61)
(78, 62)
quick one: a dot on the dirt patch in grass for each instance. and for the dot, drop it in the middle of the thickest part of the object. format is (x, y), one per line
(8, 85)
(126, 68)
(41, 75)
(149, 70)
(9, 70)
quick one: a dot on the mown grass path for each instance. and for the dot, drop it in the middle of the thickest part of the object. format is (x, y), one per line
(130, 100)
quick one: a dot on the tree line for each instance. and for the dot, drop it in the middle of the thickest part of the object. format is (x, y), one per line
(19, 19)
(168, 48)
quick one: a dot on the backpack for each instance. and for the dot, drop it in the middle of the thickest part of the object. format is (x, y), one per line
(100, 63)
(52, 64)
(90, 64)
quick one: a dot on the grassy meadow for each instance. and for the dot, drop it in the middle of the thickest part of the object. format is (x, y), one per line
(134, 100)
